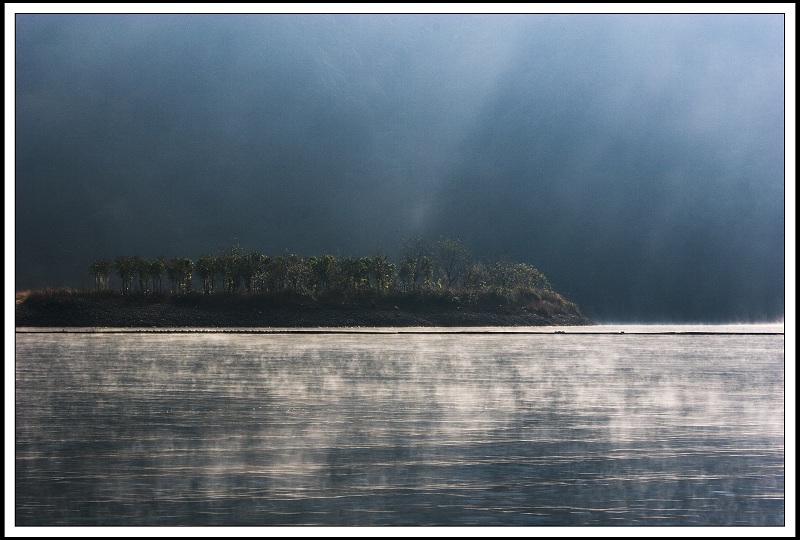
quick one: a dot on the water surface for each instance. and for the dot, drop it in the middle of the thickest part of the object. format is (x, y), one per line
(384, 428)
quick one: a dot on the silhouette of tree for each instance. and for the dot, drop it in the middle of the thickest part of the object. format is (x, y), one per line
(298, 273)
(142, 268)
(101, 269)
(276, 274)
(125, 269)
(157, 269)
(234, 265)
(179, 271)
(205, 271)
(255, 272)
(354, 273)
(323, 272)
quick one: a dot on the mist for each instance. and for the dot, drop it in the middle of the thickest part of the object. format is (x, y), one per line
(636, 160)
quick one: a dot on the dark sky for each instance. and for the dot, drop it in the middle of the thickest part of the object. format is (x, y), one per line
(636, 160)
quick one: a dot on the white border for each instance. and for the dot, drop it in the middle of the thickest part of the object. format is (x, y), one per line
(790, 214)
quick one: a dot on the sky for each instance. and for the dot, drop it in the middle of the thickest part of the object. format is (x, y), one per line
(638, 161)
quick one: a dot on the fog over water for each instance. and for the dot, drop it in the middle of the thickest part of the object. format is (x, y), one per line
(380, 429)
(636, 160)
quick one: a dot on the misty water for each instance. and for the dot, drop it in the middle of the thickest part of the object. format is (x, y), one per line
(521, 427)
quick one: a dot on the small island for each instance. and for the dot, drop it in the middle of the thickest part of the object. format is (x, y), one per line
(432, 285)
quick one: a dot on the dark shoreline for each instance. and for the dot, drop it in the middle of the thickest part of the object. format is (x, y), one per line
(226, 312)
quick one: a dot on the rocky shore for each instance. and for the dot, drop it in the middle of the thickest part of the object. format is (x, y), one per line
(199, 311)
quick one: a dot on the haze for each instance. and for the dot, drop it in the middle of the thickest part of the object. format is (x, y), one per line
(636, 160)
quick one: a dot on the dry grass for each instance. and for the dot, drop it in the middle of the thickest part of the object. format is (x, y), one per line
(21, 296)
(52, 293)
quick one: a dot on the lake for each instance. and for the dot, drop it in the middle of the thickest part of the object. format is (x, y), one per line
(656, 426)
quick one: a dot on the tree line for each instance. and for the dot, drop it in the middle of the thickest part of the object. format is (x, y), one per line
(446, 264)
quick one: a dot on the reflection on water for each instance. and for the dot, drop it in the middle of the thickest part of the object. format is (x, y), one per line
(387, 429)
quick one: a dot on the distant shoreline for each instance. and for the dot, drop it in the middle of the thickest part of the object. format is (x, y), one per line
(86, 310)
(376, 330)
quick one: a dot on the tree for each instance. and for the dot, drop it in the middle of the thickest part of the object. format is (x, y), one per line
(233, 263)
(261, 277)
(125, 269)
(500, 274)
(101, 269)
(276, 274)
(298, 273)
(383, 272)
(157, 269)
(477, 277)
(426, 270)
(179, 271)
(406, 272)
(315, 275)
(323, 272)
(354, 273)
(205, 271)
(452, 259)
(218, 271)
(527, 277)
(255, 272)
(416, 264)
(142, 268)
(504, 275)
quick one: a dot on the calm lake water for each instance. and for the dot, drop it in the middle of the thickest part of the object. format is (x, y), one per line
(587, 428)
